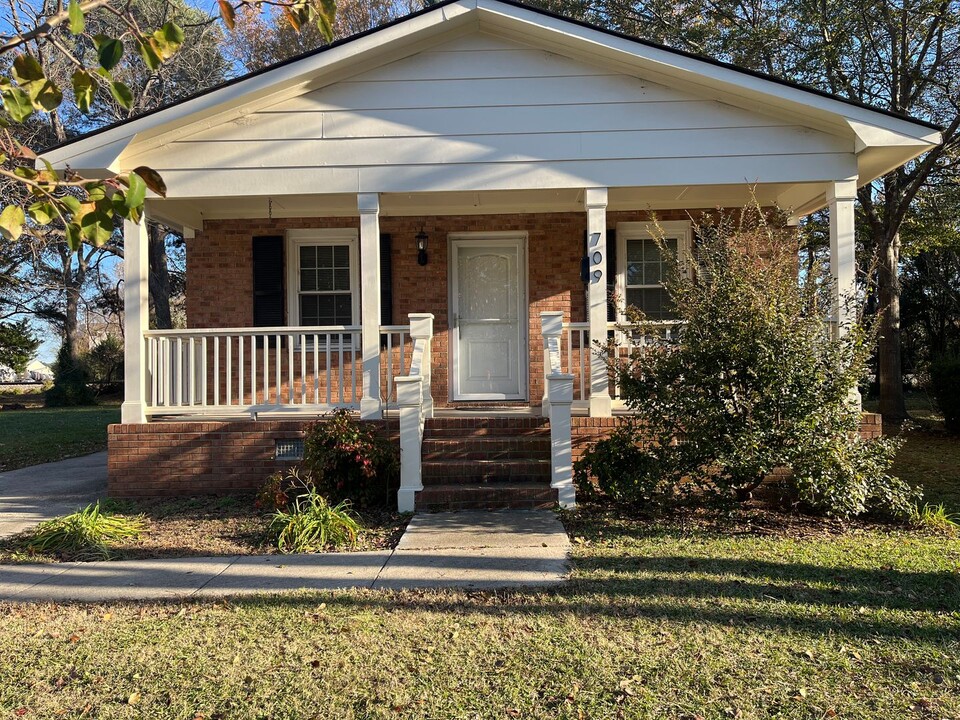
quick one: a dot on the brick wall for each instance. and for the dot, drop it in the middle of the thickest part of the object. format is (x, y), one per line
(220, 276)
(194, 458)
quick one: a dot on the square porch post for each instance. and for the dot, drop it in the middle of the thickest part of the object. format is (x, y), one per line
(843, 261)
(595, 202)
(369, 206)
(136, 320)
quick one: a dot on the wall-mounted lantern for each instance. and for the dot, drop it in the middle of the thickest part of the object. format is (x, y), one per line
(421, 247)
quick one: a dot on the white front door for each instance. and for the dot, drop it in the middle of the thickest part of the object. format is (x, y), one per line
(488, 317)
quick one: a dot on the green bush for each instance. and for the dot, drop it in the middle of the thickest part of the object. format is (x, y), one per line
(311, 524)
(945, 386)
(84, 535)
(104, 363)
(751, 383)
(346, 459)
(70, 382)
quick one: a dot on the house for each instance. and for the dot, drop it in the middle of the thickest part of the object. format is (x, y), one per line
(424, 223)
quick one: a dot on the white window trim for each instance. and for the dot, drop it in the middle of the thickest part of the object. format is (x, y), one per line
(680, 229)
(320, 236)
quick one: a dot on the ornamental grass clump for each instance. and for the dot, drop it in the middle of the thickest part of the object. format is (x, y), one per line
(756, 380)
(84, 535)
(310, 524)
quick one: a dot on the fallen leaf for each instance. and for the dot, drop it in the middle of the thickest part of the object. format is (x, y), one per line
(134, 698)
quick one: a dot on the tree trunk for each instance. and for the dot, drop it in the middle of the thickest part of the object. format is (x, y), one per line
(159, 276)
(892, 405)
(71, 322)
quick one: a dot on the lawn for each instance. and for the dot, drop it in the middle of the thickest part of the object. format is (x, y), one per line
(29, 437)
(661, 620)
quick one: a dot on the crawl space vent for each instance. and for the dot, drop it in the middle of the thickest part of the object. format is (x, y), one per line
(289, 450)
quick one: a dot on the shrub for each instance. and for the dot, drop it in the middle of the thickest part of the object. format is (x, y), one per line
(350, 460)
(104, 363)
(70, 382)
(84, 535)
(311, 524)
(753, 382)
(945, 386)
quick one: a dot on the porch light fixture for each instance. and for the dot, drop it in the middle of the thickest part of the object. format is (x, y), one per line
(421, 247)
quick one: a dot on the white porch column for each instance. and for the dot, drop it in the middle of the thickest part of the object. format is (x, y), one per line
(369, 207)
(136, 319)
(843, 262)
(595, 201)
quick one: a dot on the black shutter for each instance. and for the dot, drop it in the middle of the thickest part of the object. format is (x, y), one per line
(268, 267)
(612, 276)
(386, 281)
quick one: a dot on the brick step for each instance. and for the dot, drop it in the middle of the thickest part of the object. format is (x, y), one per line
(487, 448)
(484, 471)
(495, 426)
(498, 496)
(484, 432)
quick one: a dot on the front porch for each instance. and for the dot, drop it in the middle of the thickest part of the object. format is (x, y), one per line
(415, 349)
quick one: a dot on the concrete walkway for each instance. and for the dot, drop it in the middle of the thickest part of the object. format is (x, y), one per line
(478, 550)
(41, 492)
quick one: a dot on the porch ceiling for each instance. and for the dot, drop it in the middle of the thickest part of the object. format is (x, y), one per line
(800, 198)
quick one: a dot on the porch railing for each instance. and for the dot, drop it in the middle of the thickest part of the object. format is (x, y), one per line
(576, 350)
(235, 371)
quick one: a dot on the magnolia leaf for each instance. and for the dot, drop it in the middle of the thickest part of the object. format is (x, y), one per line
(27, 173)
(3, 157)
(17, 103)
(169, 38)
(122, 94)
(71, 203)
(26, 69)
(83, 90)
(42, 212)
(23, 151)
(137, 191)
(325, 27)
(74, 236)
(77, 23)
(227, 13)
(152, 179)
(11, 222)
(150, 53)
(95, 192)
(328, 8)
(109, 51)
(97, 227)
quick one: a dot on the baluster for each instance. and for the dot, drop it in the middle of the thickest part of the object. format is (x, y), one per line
(241, 370)
(266, 369)
(303, 369)
(178, 387)
(191, 371)
(353, 367)
(340, 368)
(216, 370)
(327, 371)
(253, 370)
(229, 344)
(203, 375)
(291, 390)
(316, 372)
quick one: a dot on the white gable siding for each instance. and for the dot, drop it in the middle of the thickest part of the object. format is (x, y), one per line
(484, 113)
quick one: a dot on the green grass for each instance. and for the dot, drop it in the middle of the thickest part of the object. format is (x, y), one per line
(659, 621)
(30, 437)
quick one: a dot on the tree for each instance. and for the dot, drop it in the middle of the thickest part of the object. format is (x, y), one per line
(87, 209)
(752, 383)
(898, 55)
(18, 345)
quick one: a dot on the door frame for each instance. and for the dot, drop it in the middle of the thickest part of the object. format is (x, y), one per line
(504, 238)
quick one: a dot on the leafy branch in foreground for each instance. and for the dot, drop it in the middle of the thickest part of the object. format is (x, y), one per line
(88, 209)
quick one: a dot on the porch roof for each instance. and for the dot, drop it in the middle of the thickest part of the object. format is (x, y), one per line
(875, 141)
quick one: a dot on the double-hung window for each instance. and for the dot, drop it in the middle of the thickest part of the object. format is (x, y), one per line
(322, 277)
(643, 267)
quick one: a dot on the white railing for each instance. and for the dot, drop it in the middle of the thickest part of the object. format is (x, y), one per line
(576, 350)
(253, 370)
(557, 404)
(235, 371)
(415, 405)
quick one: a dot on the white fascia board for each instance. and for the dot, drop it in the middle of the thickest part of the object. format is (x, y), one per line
(263, 89)
(693, 72)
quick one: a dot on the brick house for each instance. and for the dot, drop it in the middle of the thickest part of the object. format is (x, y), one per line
(425, 224)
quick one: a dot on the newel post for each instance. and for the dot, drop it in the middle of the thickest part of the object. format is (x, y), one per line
(135, 321)
(551, 327)
(421, 328)
(409, 402)
(560, 392)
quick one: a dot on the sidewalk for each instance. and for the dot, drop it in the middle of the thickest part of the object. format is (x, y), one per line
(33, 494)
(476, 550)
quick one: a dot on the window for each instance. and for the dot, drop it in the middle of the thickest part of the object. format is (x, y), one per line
(643, 268)
(322, 277)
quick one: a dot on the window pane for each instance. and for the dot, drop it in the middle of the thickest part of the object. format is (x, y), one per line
(652, 274)
(654, 302)
(651, 253)
(341, 280)
(341, 256)
(308, 257)
(634, 250)
(326, 309)
(308, 280)
(325, 280)
(343, 309)
(634, 273)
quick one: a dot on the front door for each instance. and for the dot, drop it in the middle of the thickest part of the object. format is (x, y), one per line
(488, 313)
